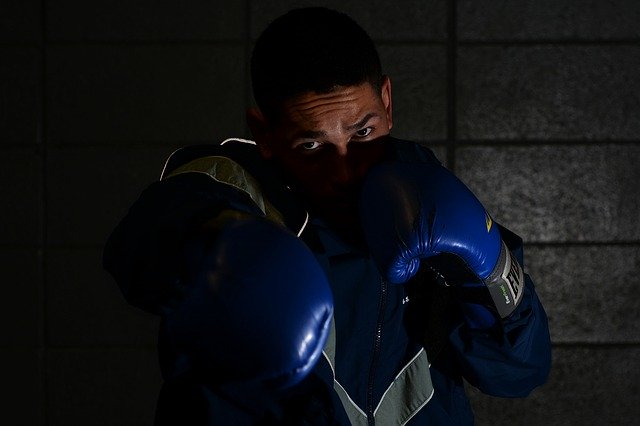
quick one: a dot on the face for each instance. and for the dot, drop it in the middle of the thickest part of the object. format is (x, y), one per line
(325, 144)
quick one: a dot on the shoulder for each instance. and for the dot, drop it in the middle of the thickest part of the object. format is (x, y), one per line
(235, 166)
(242, 151)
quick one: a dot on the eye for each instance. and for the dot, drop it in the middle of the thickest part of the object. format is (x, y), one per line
(363, 133)
(308, 146)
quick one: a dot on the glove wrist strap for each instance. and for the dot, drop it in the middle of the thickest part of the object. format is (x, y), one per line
(506, 282)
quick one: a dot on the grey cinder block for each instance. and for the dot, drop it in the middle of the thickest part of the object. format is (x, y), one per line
(402, 20)
(419, 90)
(91, 189)
(558, 193)
(112, 94)
(20, 21)
(548, 92)
(146, 20)
(85, 306)
(20, 109)
(548, 19)
(109, 386)
(22, 371)
(589, 292)
(21, 316)
(21, 196)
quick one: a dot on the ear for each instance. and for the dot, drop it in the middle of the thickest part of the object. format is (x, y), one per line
(386, 99)
(260, 130)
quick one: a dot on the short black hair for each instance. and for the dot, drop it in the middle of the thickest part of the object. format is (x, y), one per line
(311, 49)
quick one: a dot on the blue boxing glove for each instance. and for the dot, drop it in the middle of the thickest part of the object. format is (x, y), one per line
(415, 212)
(260, 309)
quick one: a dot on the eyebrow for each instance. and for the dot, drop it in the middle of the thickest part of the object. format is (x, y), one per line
(313, 134)
(309, 134)
(362, 122)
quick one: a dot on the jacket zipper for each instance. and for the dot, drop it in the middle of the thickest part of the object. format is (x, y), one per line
(376, 352)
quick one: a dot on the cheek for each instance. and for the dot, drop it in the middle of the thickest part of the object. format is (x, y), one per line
(307, 175)
(363, 157)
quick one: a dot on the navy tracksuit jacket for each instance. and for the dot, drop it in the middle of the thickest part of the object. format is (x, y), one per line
(381, 329)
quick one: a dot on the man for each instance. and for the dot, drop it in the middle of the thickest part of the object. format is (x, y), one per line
(328, 273)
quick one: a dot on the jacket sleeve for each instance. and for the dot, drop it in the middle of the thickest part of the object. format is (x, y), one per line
(148, 253)
(514, 358)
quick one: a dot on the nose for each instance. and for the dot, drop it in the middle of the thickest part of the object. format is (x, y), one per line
(344, 171)
(341, 172)
(348, 164)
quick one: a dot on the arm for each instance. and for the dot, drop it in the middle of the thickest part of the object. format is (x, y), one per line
(514, 357)
(147, 251)
(242, 298)
(415, 213)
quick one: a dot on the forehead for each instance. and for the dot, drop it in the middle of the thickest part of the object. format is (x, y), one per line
(339, 107)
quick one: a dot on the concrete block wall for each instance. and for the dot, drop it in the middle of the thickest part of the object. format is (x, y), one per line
(534, 104)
